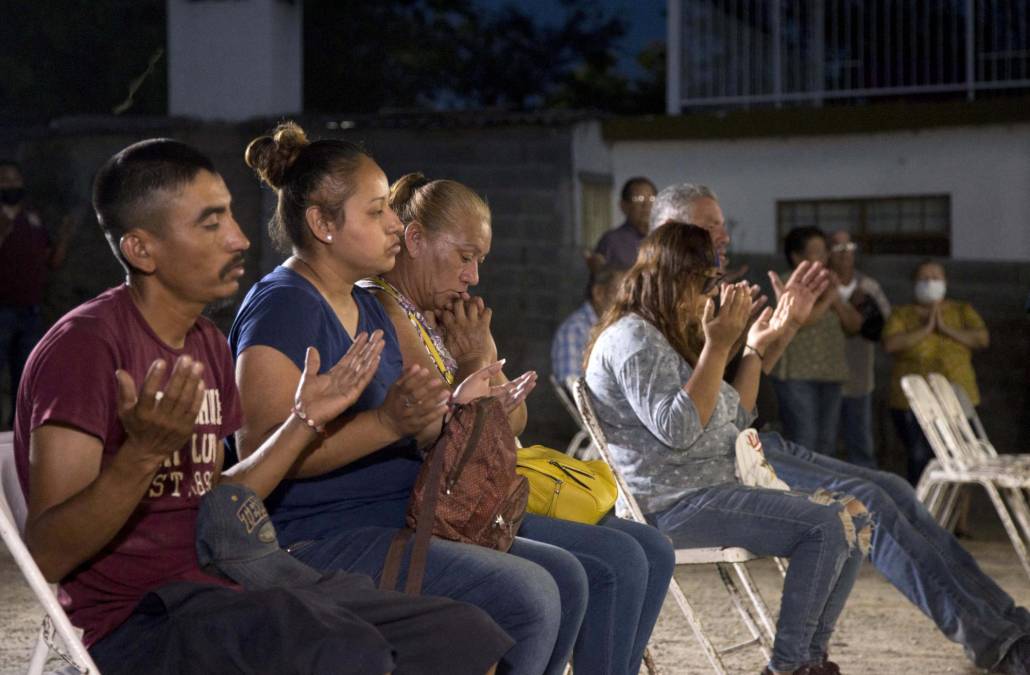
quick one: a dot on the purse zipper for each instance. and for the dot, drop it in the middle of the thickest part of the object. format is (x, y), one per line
(558, 483)
(567, 470)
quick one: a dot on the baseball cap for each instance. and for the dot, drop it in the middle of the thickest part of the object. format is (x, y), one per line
(236, 539)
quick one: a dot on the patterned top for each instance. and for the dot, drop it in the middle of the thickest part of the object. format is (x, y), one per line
(816, 353)
(446, 364)
(569, 342)
(655, 436)
(936, 353)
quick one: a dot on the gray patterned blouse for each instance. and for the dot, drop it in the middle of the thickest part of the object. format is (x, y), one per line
(636, 380)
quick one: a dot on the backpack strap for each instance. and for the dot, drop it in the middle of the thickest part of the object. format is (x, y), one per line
(394, 558)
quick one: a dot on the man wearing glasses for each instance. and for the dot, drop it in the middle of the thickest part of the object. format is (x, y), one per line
(864, 294)
(619, 247)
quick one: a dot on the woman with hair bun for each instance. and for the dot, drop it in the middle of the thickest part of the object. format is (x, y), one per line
(345, 499)
(447, 236)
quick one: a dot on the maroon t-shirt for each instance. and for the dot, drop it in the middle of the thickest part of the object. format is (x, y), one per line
(69, 379)
(24, 261)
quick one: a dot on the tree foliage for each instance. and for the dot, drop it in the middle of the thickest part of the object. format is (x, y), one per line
(61, 58)
(64, 58)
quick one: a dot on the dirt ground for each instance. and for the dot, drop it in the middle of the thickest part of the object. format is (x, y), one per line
(879, 632)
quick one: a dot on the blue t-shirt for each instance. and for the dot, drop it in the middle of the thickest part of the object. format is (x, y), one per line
(285, 312)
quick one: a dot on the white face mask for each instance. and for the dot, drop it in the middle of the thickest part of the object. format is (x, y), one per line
(929, 291)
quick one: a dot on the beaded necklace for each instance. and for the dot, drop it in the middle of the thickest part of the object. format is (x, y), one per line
(431, 339)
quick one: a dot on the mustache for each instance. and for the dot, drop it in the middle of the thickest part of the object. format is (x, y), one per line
(237, 261)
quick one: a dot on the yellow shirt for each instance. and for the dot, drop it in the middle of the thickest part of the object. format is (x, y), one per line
(935, 353)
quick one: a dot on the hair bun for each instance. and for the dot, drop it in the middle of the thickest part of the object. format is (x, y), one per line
(402, 192)
(272, 156)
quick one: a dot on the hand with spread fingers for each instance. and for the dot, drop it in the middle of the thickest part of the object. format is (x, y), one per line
(477, 384)
(758, 301)
(723, 329)
(511, 394)
(320, 398)
(771, 325)
(466, 328)
(158, 422)
(806, 284)
(419, 398)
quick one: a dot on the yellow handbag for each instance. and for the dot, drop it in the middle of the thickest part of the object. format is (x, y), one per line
(561, 486)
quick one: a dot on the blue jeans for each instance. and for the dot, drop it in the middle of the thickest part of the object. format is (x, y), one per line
(920, 558)
(824, 559)
(918, 448)
(856, 429)
(20, 330)
(809, 411)
(629, 566)
(537, 593)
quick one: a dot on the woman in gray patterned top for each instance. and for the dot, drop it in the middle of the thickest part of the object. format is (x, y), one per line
(655, 371)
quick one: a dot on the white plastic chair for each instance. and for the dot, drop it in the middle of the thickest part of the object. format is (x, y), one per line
(762, 635)
(55, 622)
(963, 460)
(580, 445)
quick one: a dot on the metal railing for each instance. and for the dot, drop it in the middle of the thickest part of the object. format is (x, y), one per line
(740, 53)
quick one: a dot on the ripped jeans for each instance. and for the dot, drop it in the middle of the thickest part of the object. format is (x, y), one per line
(824, 543)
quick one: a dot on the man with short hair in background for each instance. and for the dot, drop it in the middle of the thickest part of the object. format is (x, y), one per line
(619, 247)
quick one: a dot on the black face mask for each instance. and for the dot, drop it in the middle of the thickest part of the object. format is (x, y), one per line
(12, 196)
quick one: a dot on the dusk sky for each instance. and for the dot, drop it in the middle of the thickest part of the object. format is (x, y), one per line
(646, 20)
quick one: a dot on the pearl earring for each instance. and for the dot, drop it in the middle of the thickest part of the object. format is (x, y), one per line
(329, 237)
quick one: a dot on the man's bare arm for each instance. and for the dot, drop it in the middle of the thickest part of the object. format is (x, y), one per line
(76, 506)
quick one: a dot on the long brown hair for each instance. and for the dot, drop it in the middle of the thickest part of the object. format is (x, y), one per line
(661, 287)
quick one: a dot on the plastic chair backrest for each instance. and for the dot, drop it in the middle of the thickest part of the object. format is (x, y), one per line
(581, 394)
(934, 422)
(976, 448)
(13, 512)
(563, 395)
(11, 499)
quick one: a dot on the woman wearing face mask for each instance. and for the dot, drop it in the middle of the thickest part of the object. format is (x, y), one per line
(934, 335)
(447, 235)
(346, 497)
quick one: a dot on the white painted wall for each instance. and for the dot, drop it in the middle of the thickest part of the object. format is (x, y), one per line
(234, 60)
(589, 153)
(986, 170)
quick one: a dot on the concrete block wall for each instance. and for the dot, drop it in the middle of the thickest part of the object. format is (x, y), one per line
(534, 274)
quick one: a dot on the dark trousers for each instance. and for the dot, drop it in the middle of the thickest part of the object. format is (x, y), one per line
(339, 625)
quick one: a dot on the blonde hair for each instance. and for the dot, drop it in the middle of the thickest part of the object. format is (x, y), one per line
(438, 204)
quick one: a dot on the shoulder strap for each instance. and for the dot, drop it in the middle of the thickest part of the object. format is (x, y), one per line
(418, 321)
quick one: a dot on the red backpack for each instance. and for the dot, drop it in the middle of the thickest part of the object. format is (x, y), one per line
(467, 491)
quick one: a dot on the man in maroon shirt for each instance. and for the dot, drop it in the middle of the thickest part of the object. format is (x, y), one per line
(26, 257)
(114, 472)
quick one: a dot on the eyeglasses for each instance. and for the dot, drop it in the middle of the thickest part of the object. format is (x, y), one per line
(849, 247)
(641, 199)
(713, 277)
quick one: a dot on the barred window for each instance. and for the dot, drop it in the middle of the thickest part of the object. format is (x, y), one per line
(908, 225)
